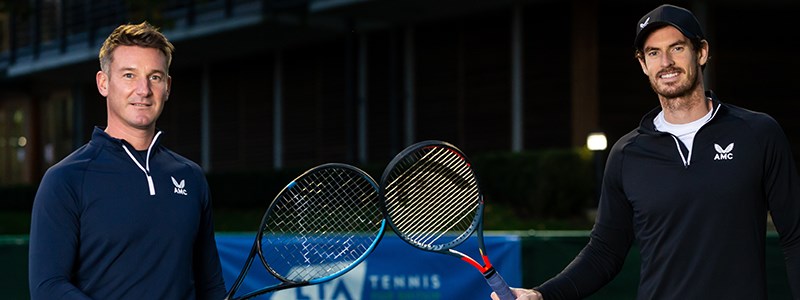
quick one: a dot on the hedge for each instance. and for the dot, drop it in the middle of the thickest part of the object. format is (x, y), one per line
(552, 183)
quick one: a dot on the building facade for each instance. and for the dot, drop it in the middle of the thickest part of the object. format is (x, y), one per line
(268, 84)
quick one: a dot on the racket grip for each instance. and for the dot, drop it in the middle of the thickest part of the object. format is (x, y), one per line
(499, 285)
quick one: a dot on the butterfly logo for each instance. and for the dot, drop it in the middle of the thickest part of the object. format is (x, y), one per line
(723, 154)
(180, 187)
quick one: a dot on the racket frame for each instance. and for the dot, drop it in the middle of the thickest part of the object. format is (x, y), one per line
(285, 283)
(446, 248)
(496, 282)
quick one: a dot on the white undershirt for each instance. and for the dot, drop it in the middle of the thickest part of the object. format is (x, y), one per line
(684, 132)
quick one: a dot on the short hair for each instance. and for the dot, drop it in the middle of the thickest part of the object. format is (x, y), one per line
(142, 35)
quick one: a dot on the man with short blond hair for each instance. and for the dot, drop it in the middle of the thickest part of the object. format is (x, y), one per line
(123, 217)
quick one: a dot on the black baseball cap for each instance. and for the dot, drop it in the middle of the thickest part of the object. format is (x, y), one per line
(667, 14)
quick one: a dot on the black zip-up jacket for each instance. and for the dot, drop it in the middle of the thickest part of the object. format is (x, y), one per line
(700, 219)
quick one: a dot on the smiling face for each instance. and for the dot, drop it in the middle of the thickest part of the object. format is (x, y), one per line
(136, 86)
(671, 63)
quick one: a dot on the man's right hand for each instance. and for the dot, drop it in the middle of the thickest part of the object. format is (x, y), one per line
(522, 294)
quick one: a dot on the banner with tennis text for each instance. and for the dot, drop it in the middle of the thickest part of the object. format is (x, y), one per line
(394, 271)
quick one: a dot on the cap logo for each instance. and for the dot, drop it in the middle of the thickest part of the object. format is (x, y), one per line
(644, 23)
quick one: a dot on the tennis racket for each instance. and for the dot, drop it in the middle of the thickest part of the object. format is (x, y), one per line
(319, 227)
(431, 199)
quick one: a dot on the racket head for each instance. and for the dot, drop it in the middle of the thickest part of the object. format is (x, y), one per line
(430, 196)
(321, 225)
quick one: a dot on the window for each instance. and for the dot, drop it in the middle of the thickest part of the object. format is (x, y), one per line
(14, 142)
(57, 128)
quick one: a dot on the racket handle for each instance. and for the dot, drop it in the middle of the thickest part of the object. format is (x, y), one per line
(498, 284)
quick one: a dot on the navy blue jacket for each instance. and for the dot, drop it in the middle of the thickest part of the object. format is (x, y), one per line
(109, 223)
(700, 220)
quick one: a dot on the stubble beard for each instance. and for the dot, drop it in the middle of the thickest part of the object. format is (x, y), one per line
(680, 89)
(673, 94)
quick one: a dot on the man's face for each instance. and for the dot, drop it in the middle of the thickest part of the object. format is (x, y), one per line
(671, 63)
(136, 86)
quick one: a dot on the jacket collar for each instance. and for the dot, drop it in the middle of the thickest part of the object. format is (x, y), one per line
(646, 124)
(100, 137)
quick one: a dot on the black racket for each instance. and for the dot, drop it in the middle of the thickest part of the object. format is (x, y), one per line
(319, 227)
(431, 199)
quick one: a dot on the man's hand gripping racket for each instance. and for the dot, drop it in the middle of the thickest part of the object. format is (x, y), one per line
(320, 226)
(431, 199)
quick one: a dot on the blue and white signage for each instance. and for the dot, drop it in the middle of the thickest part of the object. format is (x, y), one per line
(394, 271)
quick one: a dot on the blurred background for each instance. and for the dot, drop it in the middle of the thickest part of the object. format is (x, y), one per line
(263, 89)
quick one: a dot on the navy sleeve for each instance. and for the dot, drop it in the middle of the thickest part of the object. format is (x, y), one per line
(782, 188)
(611, 238)
(54, 238)
(209, 283)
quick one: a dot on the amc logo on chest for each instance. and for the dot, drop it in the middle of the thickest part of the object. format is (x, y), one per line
(180, 187)
(723, 154)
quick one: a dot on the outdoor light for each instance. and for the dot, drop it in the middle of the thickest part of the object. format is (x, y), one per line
(596, 141)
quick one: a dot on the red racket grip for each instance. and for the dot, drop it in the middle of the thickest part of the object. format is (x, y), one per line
(498, 284)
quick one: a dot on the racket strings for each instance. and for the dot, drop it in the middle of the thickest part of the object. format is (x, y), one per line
(425, 231)
(431, 193)
(321, 225)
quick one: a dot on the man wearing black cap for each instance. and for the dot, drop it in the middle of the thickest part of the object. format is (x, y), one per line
(692, 185)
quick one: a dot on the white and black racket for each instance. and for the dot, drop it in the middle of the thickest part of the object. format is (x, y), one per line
(319, 227)
(431, 199)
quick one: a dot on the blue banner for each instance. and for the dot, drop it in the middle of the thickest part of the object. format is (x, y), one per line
(394, 271)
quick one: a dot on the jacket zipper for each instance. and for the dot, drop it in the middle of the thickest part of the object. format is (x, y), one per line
(687, 159)
(146, 167)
